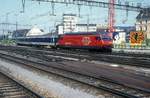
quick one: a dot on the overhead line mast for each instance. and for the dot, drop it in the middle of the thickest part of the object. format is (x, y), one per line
(111, 5)
(23, 5)
(111, 16)
(95, 4)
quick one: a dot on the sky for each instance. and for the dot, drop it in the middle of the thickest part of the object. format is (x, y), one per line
(39, 14)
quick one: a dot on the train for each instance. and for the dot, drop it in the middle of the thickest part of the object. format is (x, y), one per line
(78, 40)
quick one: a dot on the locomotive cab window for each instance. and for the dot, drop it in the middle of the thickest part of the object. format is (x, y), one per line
(61, 38)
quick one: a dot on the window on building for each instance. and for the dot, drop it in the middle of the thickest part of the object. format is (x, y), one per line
(146, 21)
(146, 25)
(140, 28)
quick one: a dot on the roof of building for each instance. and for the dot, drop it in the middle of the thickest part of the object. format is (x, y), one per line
(86, 24)
(81, 25)
(35, 31)
(144, 14)
(20, 33)
(69, 15)
(86, 33)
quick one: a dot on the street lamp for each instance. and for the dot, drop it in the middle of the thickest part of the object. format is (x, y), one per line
(7, 21)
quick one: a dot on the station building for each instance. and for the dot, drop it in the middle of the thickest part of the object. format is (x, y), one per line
(70, 24)
(19, 33)
(143, 24)
(79, 28)
(34, 31)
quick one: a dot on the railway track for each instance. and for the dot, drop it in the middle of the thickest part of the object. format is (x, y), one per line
(11, 89)
(116, 58)
(56, 67)
(125, 59)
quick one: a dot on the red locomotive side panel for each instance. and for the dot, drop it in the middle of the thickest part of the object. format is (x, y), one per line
(89, 41)
(78, 40)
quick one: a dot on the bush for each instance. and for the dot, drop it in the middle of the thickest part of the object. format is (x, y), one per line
(7, 42)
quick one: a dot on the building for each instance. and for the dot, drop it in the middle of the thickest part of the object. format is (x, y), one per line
(19, 33)
(27, 33)
(86, 27)
(78, 28)
(35, 31)
(59, 29)
(143, 23)
(69, 22)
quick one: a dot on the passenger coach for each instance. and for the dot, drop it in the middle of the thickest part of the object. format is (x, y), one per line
(37, 41)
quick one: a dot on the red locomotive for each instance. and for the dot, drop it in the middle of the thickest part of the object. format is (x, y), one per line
(90, 41)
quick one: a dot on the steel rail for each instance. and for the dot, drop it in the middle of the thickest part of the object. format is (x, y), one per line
(11, 88)
(103, 87)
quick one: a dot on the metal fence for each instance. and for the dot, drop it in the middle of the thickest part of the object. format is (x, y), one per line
(129, 46)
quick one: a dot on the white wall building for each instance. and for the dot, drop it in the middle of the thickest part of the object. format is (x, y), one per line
(69, 22)
(35, 31)
(86, 28)
(143, 22)
(59, 29)
(78, 28)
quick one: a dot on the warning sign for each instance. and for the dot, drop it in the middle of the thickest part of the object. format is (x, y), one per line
(136, 38)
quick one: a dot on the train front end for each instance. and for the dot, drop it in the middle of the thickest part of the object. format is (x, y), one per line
(106, 42)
